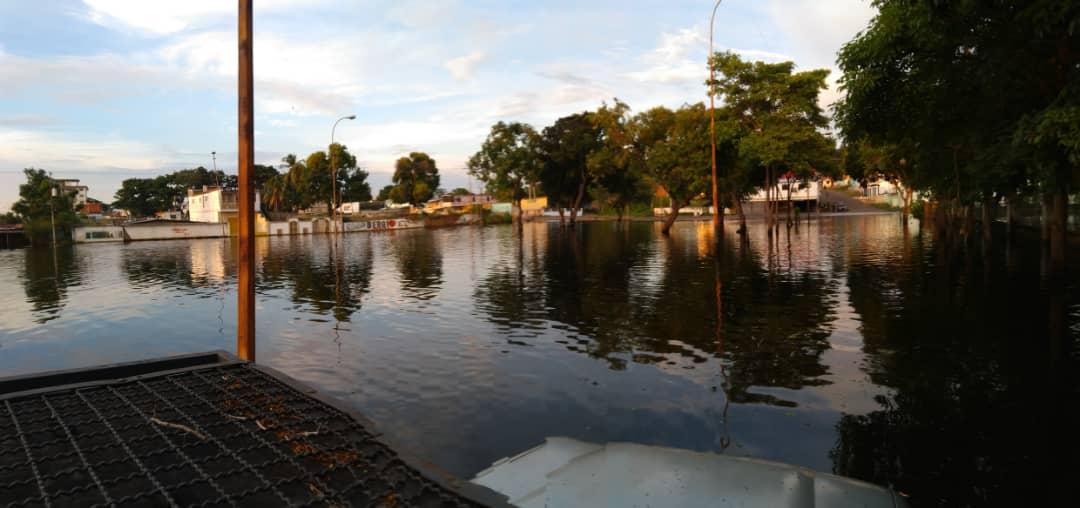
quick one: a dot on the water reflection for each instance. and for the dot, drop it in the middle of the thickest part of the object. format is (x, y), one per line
(625, 294)
(847, 344)
(326, 276)
(46, 276)
(419, 259)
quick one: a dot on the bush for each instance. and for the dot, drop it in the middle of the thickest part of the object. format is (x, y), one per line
(490, 217)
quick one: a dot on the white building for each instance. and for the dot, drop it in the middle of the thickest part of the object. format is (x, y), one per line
(800, 191)
(216, 205)
(78, 191)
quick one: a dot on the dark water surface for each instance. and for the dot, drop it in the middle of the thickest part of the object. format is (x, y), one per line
(849, 347)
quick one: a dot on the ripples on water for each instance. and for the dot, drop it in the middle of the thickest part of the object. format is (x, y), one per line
(845, 346)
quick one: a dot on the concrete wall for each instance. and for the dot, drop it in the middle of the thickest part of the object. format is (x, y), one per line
(173, 231)
(97, 234)
(382, 225)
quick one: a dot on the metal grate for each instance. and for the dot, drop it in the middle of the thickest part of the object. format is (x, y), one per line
(221, 436)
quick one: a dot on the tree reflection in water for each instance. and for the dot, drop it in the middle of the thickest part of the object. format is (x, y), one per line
(590, 283)
(419, 260)
(46, 276)
(327, 276)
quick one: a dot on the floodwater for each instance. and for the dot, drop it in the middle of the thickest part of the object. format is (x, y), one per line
(848, 345)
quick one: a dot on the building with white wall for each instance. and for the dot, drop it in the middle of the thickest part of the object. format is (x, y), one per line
(78, 191)
(217, 205)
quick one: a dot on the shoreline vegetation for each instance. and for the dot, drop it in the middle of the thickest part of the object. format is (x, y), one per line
(914, 112)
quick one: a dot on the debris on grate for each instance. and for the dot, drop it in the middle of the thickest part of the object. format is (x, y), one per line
(220, 436)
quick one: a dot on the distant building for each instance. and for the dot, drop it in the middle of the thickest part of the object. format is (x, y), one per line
(78, 191)
(172, 215)
(214, 204)
(92, 208)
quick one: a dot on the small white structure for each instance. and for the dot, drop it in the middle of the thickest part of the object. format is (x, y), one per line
(799, 192)
(880, 187)
(215, 205)
(98, 234)
(160, 229)
(382, 225)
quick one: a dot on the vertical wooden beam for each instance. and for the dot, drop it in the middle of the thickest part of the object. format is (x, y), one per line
(245, 322)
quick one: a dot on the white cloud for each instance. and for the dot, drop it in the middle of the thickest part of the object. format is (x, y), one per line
(462, 67)
(19, 148)
(153, 17)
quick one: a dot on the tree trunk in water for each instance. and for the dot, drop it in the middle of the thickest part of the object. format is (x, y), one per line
(768, 199)
(1058, 230)
(907, 207)
(969, 222)
(577, 202)
(562, 217)
(790, 209)
(670, 219)
(519, 218)
(987, 218)
(737, 203)
(1044, 219)
(1009, 217)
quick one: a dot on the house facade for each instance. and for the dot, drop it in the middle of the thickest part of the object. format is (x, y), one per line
(218, 205)
(77, 191)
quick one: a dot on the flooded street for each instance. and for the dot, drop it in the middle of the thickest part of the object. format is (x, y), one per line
(847, 345)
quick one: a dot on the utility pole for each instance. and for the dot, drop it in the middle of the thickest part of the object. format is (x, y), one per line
(333, 171)
(52, 212)
(245, 322)
(718, 213)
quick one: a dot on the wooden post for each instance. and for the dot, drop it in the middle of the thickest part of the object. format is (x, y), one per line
(245, 322)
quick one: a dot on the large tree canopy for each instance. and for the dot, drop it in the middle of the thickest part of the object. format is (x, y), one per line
(415, 179)
(41, 204)
(508, 161)
(674, 146)
(565, 147)
(982, 98)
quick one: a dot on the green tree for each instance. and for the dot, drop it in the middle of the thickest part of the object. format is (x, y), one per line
(41, 204)
(617, 175)
(384, 193)
(508, 161)
(565, 147)
(917, 78)
(674, 148)
(460, 191)
(356, 186)
(415, 179)
(778, 120)
(141, 197)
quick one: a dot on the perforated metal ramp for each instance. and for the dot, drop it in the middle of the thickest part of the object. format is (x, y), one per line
(201, 430)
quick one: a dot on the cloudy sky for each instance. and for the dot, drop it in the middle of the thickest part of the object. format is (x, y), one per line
(104, 90)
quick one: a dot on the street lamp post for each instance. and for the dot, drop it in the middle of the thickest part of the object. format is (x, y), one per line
(52, 213)
(333, 171)
(718, 213)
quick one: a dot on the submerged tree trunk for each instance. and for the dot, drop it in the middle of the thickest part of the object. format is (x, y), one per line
(576, 205)
(562, 217)
(1009, 214)
(1059, 217)
(987, 218)
(1044, 216)
(737, 203)
(790, 209)
(768, 199)
(907, 207)
(670, 219)
(518, 216)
